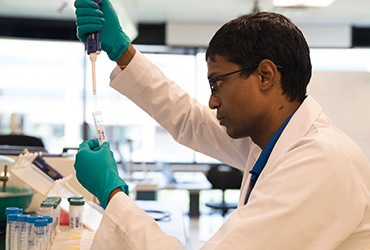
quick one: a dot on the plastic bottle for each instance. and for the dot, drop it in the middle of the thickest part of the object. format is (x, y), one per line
(76, 208)
(9, 210)
(22, 232)
(31, 230)
(12, 232)
(40, 234)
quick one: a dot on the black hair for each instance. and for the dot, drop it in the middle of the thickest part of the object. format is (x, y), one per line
(249, 39)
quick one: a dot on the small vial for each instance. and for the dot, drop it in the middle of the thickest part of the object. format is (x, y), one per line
(22, 231)
(8, 211)
(46, 208)
(31, 230)
(99, 127)
(40, 234)
(48, 230)
(56, 215)
(76, 208)
(12, 232)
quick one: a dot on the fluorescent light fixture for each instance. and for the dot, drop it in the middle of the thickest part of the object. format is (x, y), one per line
(302, 3)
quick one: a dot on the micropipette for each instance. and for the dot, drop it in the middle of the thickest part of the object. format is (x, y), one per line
(93, 49)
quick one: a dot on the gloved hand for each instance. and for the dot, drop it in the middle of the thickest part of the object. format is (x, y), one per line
(96, 170)
(90, 19)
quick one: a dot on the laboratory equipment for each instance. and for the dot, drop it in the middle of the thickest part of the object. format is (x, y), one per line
(22, 231)
(31, 230)
(99, 127)
(12, 232)
(46, 208)
(76, 208)
(9, 211)
(40, 234)
(48, 230)
(93, 47)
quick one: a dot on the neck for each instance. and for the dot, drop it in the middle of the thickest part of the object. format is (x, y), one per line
(273, 121)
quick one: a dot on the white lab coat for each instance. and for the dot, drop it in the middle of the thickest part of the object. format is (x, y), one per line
(312, 194)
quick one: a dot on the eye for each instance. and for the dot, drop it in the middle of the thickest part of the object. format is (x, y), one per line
(214, 84)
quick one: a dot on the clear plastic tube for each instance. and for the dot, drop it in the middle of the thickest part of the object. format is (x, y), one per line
(12, 231)
(48, 230)
(8, 211)
(40, 234)
(31, 230)
(22, 231)
(99, 127)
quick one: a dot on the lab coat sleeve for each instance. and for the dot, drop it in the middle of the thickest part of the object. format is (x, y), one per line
(126, 226)
(328, 207)
(189, 123)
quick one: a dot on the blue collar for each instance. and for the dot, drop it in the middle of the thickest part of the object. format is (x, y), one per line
(265, 154)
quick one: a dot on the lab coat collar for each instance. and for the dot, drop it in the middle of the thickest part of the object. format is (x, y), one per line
(297, 127)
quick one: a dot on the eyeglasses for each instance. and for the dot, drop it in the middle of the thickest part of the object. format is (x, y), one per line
(214, 83)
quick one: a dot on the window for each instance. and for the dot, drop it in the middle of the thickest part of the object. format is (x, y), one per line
(46, 91)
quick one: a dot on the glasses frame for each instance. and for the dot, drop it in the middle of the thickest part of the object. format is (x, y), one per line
(214, 83)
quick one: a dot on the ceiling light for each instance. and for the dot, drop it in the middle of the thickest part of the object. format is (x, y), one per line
(302, 3)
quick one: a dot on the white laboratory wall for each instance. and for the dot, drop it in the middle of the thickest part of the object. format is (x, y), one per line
(324, 35)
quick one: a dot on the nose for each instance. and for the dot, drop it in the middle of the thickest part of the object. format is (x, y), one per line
(213, 102)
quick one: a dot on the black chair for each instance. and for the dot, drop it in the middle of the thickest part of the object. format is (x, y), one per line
(224, 177)
(16, 141)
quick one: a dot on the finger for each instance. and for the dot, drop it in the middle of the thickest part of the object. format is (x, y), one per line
(88, 12)
(86, 4)
(105, 145)
(83, 21)
(94, 144)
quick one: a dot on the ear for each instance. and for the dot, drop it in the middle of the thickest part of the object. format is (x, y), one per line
(268, 74)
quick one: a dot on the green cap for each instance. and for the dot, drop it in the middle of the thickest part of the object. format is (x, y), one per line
(76, 197)
(76, 202)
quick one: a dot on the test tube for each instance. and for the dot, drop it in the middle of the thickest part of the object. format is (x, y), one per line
(12, 232)
(56, 200)
(46, 208)
(31, 230)
(40, 234)
(76, 208)
(8, 211)
(48, 230)
(99, 127)
(22, 231)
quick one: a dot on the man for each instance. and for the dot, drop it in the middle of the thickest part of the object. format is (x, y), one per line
(306, 184)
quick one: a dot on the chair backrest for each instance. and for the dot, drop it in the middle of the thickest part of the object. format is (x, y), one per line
(224, 177)
(20, 140)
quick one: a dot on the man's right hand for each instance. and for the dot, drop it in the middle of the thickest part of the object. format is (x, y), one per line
(90, 19)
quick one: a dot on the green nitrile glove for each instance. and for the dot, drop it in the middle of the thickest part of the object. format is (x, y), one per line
(90, 19)
(96, 170)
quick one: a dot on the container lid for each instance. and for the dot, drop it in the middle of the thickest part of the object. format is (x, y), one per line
(41, 223)
(22, 217)
(76, 197)
(48, 218)
(76, 202)
(13, 217)
(47, 203)
(11, 210)
(32, 218)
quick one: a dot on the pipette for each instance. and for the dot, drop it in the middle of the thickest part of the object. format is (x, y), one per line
(93, 49)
